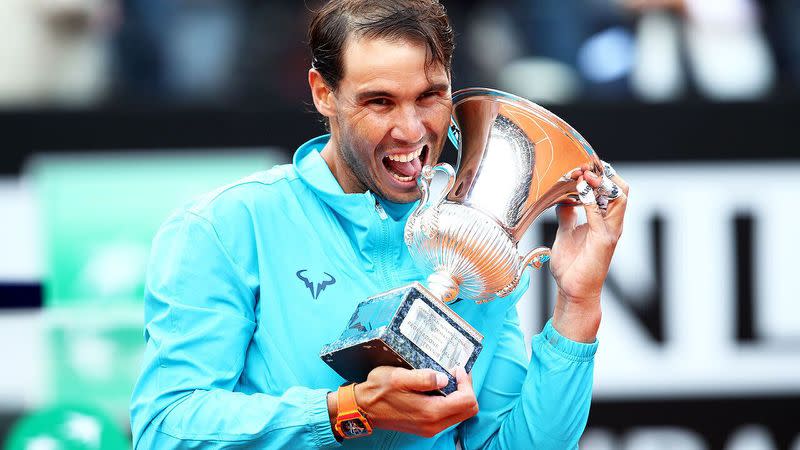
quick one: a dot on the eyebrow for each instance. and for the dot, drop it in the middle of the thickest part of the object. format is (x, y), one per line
(361, 96)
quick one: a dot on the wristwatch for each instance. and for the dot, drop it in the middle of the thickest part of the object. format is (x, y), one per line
(351, 421)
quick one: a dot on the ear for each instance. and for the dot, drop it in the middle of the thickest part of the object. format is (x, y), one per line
(324, 100)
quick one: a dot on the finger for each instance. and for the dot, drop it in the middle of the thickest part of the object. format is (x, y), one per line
(462, 415)
(608, 171)
(596, 183)
(602, 202)
(464, 388)
(592, 179)
(619, 181)
(616, 214)
(585, 192)
(594, 216)
(616, 209)
(463, 380)
(465, 405)
(608, 192)
(419, 380)
(609, 188)
(459, 402)
(464, 394)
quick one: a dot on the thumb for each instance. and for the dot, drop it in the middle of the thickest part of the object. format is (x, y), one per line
(594, 217)
(421, 380)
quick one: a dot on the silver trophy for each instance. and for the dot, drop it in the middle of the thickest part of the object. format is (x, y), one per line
(515, 160)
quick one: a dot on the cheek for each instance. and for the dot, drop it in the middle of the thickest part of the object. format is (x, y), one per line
(363, 134)
(438, 116)
(370, 128)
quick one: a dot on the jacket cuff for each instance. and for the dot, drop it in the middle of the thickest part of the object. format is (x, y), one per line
(319, 420)
(576, 351)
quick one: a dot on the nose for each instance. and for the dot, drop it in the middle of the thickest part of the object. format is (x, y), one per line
(408, 126)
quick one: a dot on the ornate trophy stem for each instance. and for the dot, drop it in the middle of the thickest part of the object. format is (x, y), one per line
(443, 285)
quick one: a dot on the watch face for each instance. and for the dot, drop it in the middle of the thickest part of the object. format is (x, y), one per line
(354, 428)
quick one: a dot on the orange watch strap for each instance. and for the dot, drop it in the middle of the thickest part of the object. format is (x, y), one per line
(347, 398)
(349, 415)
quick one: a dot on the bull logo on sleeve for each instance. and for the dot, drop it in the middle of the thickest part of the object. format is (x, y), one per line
(315, 288)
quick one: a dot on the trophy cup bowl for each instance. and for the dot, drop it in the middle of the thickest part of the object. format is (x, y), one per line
(515, 160)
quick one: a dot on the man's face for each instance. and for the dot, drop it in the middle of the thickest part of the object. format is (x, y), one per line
(391, 116)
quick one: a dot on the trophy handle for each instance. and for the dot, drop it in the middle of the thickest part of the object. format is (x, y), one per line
(536, 258)
(454, 134)
(424, 184)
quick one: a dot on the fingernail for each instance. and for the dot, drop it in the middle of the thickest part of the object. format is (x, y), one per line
(441, 379)
(590, 175)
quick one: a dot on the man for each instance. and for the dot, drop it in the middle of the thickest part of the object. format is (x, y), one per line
(247, 284)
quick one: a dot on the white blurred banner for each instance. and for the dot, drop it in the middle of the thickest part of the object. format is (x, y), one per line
(725, 319)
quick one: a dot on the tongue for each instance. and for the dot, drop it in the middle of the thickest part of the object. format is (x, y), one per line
(406, 169)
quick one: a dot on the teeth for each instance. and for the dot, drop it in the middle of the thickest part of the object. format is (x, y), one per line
(406, 157)
(398, 177)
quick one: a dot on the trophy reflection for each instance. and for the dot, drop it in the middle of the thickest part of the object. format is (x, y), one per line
(515, 160)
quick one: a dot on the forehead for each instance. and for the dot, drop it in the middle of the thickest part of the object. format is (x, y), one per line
(392, 65)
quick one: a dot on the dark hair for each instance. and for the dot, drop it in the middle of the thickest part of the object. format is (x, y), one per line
(423, 21)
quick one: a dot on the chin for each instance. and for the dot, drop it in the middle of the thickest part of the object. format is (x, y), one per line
(397, 197)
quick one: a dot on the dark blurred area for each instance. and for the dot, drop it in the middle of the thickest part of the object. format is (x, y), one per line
(104, 74)
(115, 112)
(111, 53)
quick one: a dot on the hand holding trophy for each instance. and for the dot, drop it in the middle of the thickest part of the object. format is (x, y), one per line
(516, 159)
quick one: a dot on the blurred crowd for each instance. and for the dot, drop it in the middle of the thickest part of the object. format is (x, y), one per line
(89, 53)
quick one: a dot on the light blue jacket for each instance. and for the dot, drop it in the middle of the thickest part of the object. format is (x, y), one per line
(233, 333)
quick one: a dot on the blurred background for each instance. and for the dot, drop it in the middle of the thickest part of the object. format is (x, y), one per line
(115, 112)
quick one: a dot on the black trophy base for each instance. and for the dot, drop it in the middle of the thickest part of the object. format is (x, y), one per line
(406, 327)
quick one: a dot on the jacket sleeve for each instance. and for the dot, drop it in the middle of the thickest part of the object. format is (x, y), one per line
(541, 404)
(199, 321)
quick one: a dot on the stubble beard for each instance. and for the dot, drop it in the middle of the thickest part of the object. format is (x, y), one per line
(360, 172)
(359, 169)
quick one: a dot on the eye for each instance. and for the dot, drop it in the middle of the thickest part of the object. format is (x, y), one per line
(379, 101)
(428, 96)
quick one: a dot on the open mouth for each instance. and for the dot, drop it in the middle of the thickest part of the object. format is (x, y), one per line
(405, 167)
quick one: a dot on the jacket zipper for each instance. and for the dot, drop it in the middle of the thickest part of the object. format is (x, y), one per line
(381, 212)
(383, 249)
(383, 264)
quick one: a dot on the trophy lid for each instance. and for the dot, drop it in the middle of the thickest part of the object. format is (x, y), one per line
(514, 157)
